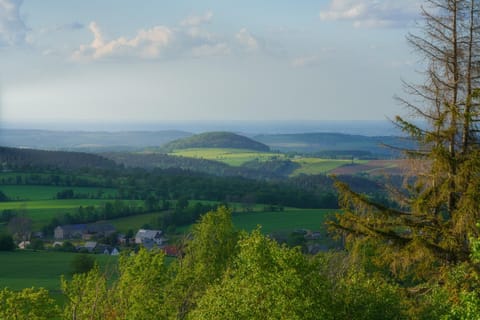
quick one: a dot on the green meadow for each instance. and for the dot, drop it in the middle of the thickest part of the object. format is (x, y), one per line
(42, 211)
(38, 192)
(283, 221)
(24, 269)
(232, 157)
(237, 157)
(318, 165)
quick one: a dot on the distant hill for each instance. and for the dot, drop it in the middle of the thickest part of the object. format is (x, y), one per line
(93, 141)
(216, 140)
(331, 144)
(29, 158)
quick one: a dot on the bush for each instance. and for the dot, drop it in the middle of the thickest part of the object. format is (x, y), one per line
(6, 243)
(82, 263)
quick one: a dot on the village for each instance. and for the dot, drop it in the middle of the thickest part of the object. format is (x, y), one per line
(101, 238)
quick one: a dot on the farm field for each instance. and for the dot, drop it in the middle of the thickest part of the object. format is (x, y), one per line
(283, 221)
(318, 165)
(232, 157)
(374, 167)
(133, 222)
(237, 157)
(38, 192)
(24, 269)
(42, 211)
(280, 221)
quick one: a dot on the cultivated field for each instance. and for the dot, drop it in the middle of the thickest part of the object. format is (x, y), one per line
(24, 269)
(37, 192)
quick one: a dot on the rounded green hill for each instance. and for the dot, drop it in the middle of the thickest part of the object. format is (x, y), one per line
(217, 140)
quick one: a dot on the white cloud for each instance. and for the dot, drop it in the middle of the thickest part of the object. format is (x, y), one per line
(305, 61)
(372, 13)
(193, 21)
(219, 49)
(247, 40)
(148, 44)
(12, 28)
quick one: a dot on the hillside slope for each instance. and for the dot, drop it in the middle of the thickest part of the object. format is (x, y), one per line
(335, 143)
(216, 140)
(21, 158)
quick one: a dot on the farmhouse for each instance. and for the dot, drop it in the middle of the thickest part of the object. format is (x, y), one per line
(144, 236)
(83, 231)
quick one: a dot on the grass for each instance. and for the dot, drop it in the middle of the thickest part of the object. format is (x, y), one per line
(280, 221)
(283, 222)
(133, 222)
(37, 192)
(232, 157)
(42, 211)
(237, 157)
(24, 269)
(318, 166)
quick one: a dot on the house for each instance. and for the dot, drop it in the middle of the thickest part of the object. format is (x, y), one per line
(145, 236)
(23, 245)
(69, 231)
(171, 251)
(98, 230)
(83, 231)
(90, 246)
(114, 252)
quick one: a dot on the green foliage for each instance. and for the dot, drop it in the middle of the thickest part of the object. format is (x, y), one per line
(37, 244)
(139, 290)
(6, 242)
(86, 296)
(369, 297)
(206, 256)
(266, 281)
(82, 263)
(27, 304)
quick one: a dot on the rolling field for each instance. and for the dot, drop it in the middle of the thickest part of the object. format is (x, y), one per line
(237, 157)
(318, 166)
(42, 211)
(280, 221)
(133, 222)
(285, 221)
(24, 269)
(232, 157)
(34, 192)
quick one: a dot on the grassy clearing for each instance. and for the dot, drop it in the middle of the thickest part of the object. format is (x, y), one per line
(42, 211)
(281, 222)
(318, 166)
(133, 222)
(32, 193)
(24, 269)
(232, 157)
(237, 157)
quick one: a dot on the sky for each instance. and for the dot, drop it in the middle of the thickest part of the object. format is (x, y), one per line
(116, 61)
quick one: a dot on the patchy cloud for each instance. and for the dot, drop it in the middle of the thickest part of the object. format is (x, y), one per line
(207, 50)
(12, 28)
(305, 61)
(147, 44)
(247, 40)
(372, 13)
(196, 20)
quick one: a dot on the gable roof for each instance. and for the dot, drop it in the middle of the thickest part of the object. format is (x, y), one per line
(148, 234)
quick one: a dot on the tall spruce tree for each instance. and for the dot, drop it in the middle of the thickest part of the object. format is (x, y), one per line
(443, 201)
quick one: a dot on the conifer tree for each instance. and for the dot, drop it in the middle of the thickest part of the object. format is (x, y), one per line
(443, 200)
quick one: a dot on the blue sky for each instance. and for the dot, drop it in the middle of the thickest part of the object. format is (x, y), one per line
(155, 60)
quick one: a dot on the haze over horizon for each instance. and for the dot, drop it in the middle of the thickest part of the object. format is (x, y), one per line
(82, 61)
